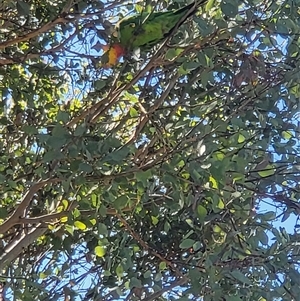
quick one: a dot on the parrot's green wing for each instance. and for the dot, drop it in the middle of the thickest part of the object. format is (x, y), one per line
(146, 30)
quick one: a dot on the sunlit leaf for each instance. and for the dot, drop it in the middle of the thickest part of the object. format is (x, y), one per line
(80, 225)
(162, 265)
(268, 171)
(100, 251)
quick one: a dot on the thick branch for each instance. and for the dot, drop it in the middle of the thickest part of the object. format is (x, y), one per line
(13, 250)
(33, 33)
(14, 219)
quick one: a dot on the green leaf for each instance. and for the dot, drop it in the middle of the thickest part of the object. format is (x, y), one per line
(100, 251)
(23, 8)
(192, 65)
(240, 277)
(144, 177)
(65, 204)
(99, 84)
(285, 25)
(203, 59)
(69, 229)
(80, 225)
(230, 8)
(202, 212)
(85, 167)
(134, 282)
(80, 130)
(102, 228)
(268, 216)
(74, 165)
(154, 220)
(121, 202)
(233, 298)
(106, 273)
(221, 204)
(162, 265)
(133, 112)
(206, 77)
(286, 135)
(119, 270)
(173, 53)
(167, 226)
(273, 248)
(56, 142)
(30, 130)
(147, 274)
(197, 246)
(182, 70)
(194, 274)
(263, 237)
(4, 120)
(52, 155)
(186, 243)
(158, 276)
(42, 138)
(12, 184)
(294, 275)
(268, 171)
(63, 116)
(241, 138)
(214, 183)
(59, 131)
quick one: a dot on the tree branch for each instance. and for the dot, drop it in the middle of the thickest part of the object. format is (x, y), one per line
(33, 33)
(14, 219)
(15, 248)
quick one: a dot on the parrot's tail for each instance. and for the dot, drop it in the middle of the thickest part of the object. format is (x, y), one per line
(189, 10)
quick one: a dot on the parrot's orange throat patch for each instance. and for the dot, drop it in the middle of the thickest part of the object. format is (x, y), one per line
(114, 53)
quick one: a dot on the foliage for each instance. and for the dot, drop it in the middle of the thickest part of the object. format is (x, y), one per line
(161, 179)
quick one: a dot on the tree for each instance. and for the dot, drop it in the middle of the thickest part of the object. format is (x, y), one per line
(162, 178)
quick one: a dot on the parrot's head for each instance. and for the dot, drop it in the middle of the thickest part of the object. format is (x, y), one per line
(113, 53)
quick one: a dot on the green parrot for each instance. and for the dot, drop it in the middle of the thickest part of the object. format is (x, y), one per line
(146, 30)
